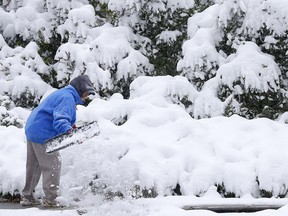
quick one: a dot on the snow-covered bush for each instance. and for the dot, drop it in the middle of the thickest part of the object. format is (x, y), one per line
(148, 38)
(108, 56)
(78, 23)
(75, 23)
(252, 79)
(177, 90)
(7, 118)
(200, 58)
(228, 62)
(163, 22)
(160, 150)
(25, 21)
(251, 85)
(269, 32)
(20, 69)
(186, 156)
(6, 102)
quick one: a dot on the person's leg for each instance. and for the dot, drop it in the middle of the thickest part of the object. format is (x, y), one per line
(50, 165)
(33, 173)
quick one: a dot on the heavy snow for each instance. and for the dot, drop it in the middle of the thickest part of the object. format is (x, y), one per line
(150, 142)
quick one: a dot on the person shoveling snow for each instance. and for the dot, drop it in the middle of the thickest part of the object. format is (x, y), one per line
(54, 116)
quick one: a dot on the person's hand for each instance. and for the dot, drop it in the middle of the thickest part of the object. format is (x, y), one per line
(71, 130)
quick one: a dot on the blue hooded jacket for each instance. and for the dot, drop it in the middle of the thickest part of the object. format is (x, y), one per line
(54, 116)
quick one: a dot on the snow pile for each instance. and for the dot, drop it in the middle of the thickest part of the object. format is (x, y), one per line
(148, 143)
(160, 146)
(12, 160)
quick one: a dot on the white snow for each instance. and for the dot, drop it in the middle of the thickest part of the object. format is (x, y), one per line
(255, 66)
(159, 146)
(149, 141)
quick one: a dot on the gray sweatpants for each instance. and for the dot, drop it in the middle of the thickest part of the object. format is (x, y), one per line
(39, 162)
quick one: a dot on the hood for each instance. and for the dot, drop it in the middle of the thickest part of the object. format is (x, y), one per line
(83, 84)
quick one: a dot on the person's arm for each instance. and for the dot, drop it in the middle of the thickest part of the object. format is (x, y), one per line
(64, 115)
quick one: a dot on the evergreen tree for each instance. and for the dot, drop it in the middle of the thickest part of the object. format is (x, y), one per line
(215, 37)
(114, 42)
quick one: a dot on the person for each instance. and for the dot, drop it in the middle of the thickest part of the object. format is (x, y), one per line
(55, 115)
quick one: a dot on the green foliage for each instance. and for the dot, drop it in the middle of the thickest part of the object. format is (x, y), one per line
(278, 48)
(266, 194)
(123, 86)
(221, 189)
(201, 5)
(6, 102)
(230, 34)
(121, 120)
(8, 120)
(138, 192)
(47, 51)
(177, 190)
(269, 194)
(103, 13)
(230, 109)
(26, 99)
(184, 101)
(17, 41)
(203, 73)
(164, 52)
(253, 103)
(8, 197)
(164, 55)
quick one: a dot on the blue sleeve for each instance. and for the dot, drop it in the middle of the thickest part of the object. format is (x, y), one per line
(64, 115)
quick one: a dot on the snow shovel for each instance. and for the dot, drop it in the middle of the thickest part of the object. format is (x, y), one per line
(76, 136)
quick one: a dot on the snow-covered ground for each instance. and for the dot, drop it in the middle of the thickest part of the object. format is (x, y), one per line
(167, 206)
(150, 142)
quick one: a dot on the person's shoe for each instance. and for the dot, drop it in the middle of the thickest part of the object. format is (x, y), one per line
(50, 204)
(29, 202)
